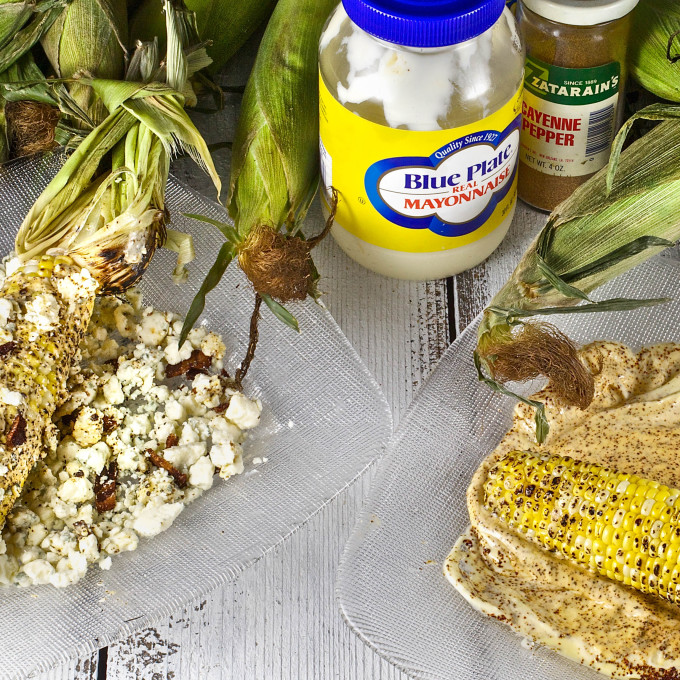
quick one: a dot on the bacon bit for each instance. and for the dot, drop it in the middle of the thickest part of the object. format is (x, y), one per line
(171, 440)
(109, 424)
(221, 408)
(81, 528)
(193, 372)
(196, 362)
(70, 418)
(158, 460)
(17, 433)
(7, 348)
(105, 488)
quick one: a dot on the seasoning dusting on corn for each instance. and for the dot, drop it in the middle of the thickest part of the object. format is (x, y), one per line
(619, 525)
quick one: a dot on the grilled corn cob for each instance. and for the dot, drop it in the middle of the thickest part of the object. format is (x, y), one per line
(46, 307)
(93, 229)
(618, 525)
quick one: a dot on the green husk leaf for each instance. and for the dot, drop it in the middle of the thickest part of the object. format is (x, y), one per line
(23, 40)
(226, 228)
(161, 109)
(23, 80)
(657, 111)
(174, 58)
(511, 315)
(13, 17)
(275, 149)
(227, 25)
(655, 25)
(557, 282)
(70, 185)
(224, 257)
(281, 313)
(639, 245)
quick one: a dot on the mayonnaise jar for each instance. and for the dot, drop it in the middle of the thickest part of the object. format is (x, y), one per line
(420, 111)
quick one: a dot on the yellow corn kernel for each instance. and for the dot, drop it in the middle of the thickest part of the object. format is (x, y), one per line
(625, 527)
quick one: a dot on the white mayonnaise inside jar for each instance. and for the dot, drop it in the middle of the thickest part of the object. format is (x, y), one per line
(420, 112)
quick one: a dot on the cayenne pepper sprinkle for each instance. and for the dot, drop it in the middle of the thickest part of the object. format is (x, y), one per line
(574, 93)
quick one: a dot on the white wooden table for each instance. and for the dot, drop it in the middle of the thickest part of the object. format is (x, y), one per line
(280, 618)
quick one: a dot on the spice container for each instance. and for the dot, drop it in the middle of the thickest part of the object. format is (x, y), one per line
(574, 88)
(420, 109)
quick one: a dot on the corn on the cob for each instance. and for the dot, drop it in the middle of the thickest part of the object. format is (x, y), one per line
(618, 525)
(275, 164)
(36, 359)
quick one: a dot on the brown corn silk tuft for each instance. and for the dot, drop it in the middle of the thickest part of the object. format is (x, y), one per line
(281, 265)
(31, 127)
(276, 264)
(542, 349)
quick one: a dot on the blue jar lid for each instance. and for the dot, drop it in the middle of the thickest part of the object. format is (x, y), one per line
(424, 23)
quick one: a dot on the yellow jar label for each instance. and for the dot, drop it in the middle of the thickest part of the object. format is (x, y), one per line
(420, 191)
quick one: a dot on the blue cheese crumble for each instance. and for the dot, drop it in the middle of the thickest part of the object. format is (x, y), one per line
(122, 409)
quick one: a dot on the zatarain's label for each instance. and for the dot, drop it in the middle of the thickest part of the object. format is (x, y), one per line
(420, 191)
(569, 117)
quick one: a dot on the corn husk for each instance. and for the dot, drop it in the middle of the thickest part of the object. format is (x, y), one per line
(275, 163)
(227, 25)
(103, 211)
(275, 158)
(654, 50)
(110, 193)
(88, 36)
(22, 24)
(621, 217)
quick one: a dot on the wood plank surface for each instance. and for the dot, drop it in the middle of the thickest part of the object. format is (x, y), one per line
(280, 619)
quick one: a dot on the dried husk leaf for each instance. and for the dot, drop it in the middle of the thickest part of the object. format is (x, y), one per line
(227, 25)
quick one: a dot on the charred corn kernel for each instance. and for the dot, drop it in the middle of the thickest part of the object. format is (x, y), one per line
(638, 545)
(34, 371)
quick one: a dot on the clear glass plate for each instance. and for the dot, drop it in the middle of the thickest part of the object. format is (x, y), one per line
(391, 588)
(324, 421)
